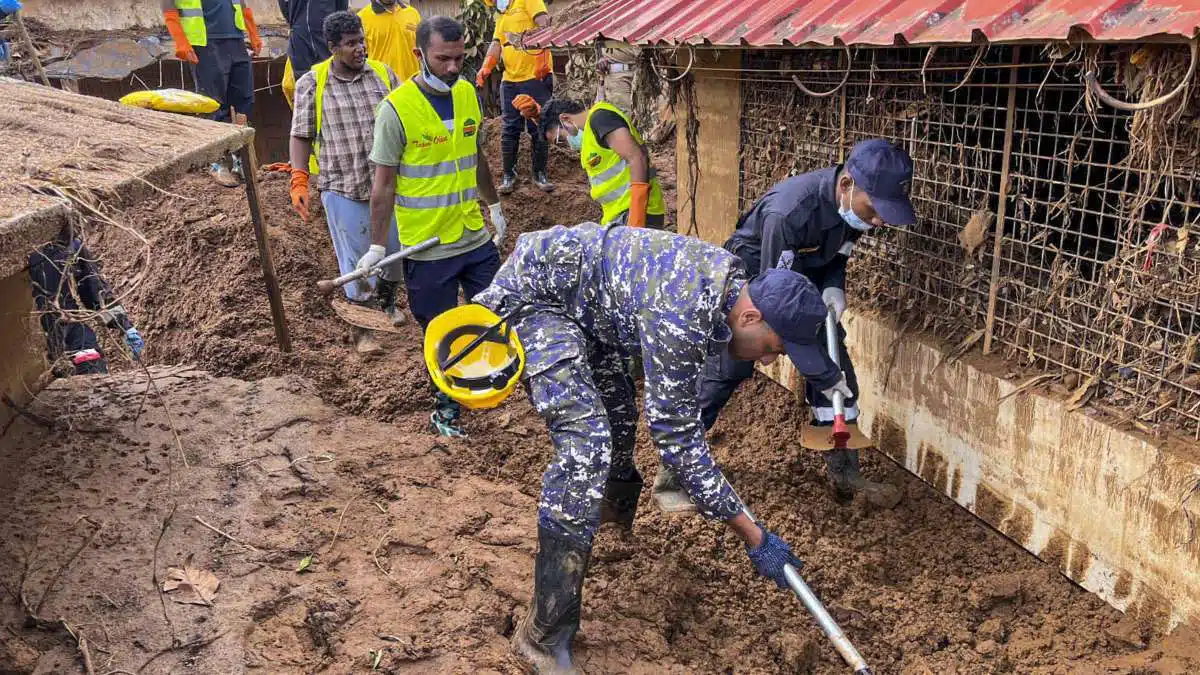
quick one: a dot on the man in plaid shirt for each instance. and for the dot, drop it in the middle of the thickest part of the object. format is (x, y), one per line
(334, 123)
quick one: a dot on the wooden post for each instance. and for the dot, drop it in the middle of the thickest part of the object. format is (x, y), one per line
(1002, 207)
(37, 61)
(249, 160)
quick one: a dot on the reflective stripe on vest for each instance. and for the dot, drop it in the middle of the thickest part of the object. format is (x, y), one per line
(321, 73)
(191, 18)
(608, 172)
(436, 186)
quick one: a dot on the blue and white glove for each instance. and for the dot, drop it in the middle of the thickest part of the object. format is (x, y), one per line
(771, 556)
(134, 339)
(499, 222)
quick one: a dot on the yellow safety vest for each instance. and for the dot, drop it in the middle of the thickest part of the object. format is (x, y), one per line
(191, 17)
(321, 73)
(608, 172)
(436, 187)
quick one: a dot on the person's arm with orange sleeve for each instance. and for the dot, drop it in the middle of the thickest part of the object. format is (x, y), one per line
(183, 47)
(541, 19)
(256, 43)
(623, 143)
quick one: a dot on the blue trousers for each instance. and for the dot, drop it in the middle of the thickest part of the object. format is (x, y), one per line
(226, 74)
(514, 124)
(350, 229)
(433, 285)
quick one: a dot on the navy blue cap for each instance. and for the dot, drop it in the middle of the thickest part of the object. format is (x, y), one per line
(885, 173)
(792, 306)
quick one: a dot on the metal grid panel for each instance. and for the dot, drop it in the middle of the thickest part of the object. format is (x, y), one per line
(1096, 279)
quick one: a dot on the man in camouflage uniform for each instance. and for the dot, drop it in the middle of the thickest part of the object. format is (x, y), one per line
(592, 296)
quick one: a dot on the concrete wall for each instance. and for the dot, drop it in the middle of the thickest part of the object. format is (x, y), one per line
(24, 354)
(1113, 511)
(719, 109)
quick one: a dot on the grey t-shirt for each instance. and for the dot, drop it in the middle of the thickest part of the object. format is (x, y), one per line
(389, 148)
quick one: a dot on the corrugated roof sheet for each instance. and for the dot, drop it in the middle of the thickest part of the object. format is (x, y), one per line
(772, 23)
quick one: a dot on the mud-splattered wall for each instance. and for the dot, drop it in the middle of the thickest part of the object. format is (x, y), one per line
(96, 15)
(23, 360)
(715, 104)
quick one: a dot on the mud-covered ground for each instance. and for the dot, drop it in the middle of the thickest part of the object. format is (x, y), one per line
(421, 548)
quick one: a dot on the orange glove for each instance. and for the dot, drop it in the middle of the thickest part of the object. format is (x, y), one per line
(299, 190)
(542, 66)
(281, 167)
(529, 108)
(256, 43)
(489, 64)
(183, 48)
(639, 197)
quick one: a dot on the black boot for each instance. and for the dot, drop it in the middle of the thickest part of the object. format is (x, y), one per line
(541, 159)
(542, 181)
(620, 501)
(386, 291)
(845, 475)
(544, 636)
(508, 182)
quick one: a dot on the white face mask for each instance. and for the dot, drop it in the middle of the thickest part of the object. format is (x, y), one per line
(502, 6)
(435, 83)
(851, 217)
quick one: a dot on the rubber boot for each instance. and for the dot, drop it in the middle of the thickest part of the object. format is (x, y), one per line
(544, 636)
(223, 176)
(847, 480)
(541, 160)
(386, 291)
(620, 501)
(669, 495)
(542, 181)
(508, 182)
(365, 343)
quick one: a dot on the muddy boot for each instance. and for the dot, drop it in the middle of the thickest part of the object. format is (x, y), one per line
(365, 343)
(543, 182)
(620, 501)
(444, 419)
(386, 291)
(543, 638)
(847, 480)
(669, 495)
(508, 182)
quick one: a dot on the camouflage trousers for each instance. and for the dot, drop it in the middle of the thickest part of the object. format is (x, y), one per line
(585, 394)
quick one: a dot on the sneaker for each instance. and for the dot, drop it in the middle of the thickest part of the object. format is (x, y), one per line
(223, 175)
(543, 182)
(442, 425)
(508, 183)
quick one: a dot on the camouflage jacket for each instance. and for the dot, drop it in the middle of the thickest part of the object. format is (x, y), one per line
(644, 291)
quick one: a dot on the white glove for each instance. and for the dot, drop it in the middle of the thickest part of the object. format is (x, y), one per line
(840, 387)
(372, 257)
(835, 298)
(498, 223)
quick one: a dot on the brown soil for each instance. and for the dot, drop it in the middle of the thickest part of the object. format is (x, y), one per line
(422, 548)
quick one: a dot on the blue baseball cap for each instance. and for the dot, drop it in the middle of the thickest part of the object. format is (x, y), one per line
(885, 173)
(792, 306)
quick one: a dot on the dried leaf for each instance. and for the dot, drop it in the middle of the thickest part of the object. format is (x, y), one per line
(191, 585)
(1181, 241)
(376, 658)
(1027, 385)
(1083, 393)
(304, 564)
(975, 232)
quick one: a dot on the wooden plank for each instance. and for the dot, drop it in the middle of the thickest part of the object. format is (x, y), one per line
(249, 165)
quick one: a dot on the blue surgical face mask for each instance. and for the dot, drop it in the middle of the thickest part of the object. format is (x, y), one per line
(502, 6)
(851, 217)
(435, 83)
(575, 140)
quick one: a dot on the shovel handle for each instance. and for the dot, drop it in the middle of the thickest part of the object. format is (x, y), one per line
(841, 434)
(327, 286)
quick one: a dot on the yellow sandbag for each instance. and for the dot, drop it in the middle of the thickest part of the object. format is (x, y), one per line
(172, 100)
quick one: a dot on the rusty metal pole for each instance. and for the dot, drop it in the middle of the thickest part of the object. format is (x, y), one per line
(249, 160)
(1002, 207)
(842, 126)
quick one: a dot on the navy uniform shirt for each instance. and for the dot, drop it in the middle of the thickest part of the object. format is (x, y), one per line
(796, 226)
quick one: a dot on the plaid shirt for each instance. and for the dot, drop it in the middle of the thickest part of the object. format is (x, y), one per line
(347, 128)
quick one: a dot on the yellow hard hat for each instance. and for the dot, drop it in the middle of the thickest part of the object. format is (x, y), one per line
(489, 371)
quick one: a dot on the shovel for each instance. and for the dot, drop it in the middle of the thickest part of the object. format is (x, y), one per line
(327, 286)
(841, 433)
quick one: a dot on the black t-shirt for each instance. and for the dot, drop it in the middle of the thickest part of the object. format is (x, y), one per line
(603, 123)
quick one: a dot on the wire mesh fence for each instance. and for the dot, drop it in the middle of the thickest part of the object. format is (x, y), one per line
(1093, 277)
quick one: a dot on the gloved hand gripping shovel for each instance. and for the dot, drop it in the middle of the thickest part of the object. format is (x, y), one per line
(327, 286)
(825, 620)
(841, 433)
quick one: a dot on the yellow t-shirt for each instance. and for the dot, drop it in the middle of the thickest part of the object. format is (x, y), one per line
(391, 38)
(520, 66)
